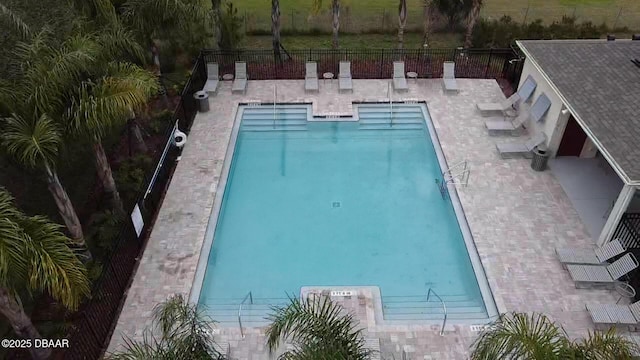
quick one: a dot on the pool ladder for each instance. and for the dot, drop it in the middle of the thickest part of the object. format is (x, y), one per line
(444, 308)
(456, 174)
(250, 297)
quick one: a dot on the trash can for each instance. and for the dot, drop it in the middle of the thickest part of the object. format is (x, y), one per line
(202, 98)
(540, 158)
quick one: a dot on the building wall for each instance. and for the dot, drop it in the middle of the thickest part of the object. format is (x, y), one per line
(554, 123)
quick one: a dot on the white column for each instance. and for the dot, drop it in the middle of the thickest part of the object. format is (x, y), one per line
(626, 194)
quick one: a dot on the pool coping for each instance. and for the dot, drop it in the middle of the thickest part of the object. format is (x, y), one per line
(485, 290)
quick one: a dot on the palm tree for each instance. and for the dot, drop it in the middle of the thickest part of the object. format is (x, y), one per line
(402, 22)
(104, 103)
(275, 27)
(536, 337)
(471, 22)
(217, 19)
(35, 257)
(335, 13)
(318, 330)
(185, 334)
(427, 20)
(31, 119)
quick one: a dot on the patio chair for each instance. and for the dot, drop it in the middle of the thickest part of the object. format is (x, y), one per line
(540, 107)
(311, 77)
(526, 89)
(399, 79)
(607, 315)
(240, 80)
(344, 76)
(212, 78)
(602, 276)
(511, 150)
(449, 77)
(504, 106)
(590, 256)
(514, 127)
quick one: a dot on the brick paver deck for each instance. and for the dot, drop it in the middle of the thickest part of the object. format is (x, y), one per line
(516, 215)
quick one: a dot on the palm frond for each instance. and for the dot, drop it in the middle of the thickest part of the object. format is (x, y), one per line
(604, 346)
(33, 142)
(521, 336)
(316, 323)
(117, 41)
(15, 21)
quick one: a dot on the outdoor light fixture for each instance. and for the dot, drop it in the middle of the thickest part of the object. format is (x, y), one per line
(565, 112)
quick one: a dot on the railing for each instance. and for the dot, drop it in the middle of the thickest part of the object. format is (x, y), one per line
(374, 63)
(389, 93)
(456, 174)
(275, 101)
(444, 308)
(628, 231)
(250, 297)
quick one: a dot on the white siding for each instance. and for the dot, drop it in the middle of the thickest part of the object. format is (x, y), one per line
(554, 123)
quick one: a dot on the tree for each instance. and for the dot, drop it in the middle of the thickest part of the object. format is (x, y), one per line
(231, 25)
(185, 334)
(317, 329)
(402, 22)
(335, 14)
(454, 10)
(34, 107)
(536, 337)
(35, 257)
(275, 28)
(471, 22)
(103, 103)
(428, 11)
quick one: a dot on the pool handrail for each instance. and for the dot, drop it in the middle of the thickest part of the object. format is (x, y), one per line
(444, 308)
(250, 296)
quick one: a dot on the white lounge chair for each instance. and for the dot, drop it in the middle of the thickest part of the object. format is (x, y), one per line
(449, 76)
(602, 276)
(240, 80)
(311, 77)
(590, 256)
(607, 315)
(511, 150)
(212, 78)
(344, 76)
(526, 89)
(504, 106)
(540, 107)
(399, 79)
(513, 127)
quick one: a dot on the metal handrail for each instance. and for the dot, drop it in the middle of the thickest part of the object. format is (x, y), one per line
(390, 103)
(250, 296)
(275, 98)
(461, 163)
(449, 176)
(444, 308)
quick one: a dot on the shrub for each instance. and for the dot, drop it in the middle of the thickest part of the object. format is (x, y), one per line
(130, 177)
(104, 230)
(231, 25)
(160, 121)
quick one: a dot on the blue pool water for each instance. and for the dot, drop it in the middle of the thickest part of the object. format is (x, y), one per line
(338, 203)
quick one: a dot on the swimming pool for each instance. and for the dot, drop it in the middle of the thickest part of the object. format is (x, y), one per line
(340, 203)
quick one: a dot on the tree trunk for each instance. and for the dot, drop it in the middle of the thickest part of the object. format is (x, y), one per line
(275, 28)
(21, 324)
(426, 21)
(402, 22)
(106, 176)
(155, 55)
(335, 10)
(217, 17)
(67, 212)
(471, 22)
(134, 128)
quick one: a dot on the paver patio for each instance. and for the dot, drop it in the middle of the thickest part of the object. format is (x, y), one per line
(517, 217)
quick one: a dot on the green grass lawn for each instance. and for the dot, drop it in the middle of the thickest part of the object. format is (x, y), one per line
(358, 15)
(349, 41)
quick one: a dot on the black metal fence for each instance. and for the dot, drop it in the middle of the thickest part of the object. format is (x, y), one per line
(373, 63)
(628, 231)
(96, 319)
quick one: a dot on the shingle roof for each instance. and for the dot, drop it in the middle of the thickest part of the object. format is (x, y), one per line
(602, 87)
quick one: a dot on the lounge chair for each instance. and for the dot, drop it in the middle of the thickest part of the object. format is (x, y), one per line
(240, 81)
(449, 76)
(590, 256)
(526, 89)
(399, 79)
(520, 149)
(504, 106)
(602, 276)
(373, 345)
(212, 78)
(311, 77)
(607, 315)
(345, 76)
(540, 107)
(514, 127)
